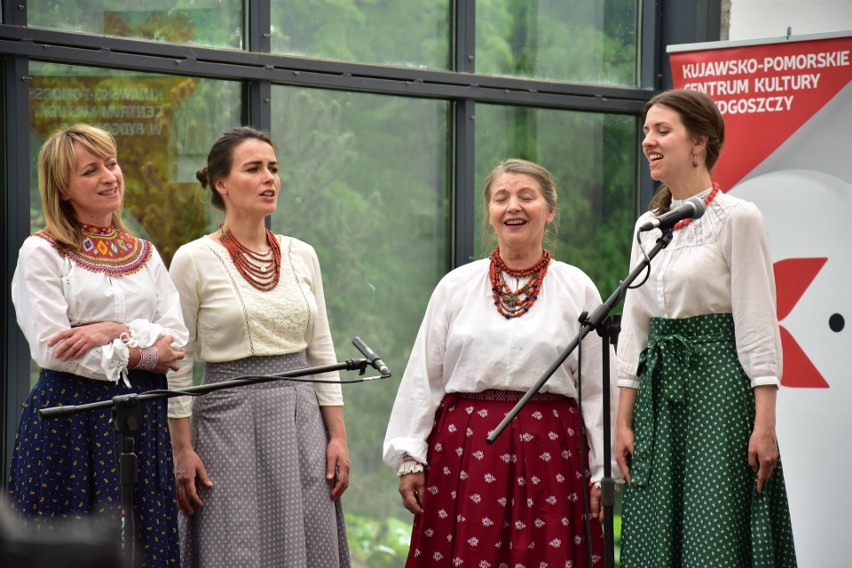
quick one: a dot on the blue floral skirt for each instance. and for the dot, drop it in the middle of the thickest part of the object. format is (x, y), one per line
(65, 469)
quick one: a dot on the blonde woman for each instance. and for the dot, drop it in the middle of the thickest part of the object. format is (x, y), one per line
(102, 319)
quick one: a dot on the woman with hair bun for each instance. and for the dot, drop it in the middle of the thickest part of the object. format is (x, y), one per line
(260, 468)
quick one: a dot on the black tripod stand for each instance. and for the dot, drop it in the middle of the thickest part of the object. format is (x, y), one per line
(126, 419)
(600, 321)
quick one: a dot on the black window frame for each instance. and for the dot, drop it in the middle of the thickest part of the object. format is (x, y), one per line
(661, 23)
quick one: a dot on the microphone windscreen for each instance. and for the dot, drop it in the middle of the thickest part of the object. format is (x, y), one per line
(698, 206)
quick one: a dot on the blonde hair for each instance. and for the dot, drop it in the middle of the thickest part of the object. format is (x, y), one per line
(56, 160)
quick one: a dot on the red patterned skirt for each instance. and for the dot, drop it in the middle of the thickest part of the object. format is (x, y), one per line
(516, 503)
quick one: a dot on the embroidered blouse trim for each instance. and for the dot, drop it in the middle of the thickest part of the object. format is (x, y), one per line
(107, 250)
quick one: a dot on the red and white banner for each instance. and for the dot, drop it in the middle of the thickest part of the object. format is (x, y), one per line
(787, 105)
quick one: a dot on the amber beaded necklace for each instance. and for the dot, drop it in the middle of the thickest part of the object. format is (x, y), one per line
(258, 269)
(514, 304)
(707, 199)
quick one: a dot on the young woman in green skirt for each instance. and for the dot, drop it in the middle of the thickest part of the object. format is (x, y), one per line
(699, 365)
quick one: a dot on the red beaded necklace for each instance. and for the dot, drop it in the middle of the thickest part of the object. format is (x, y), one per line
(254, 267)
(707, 199)
(511, 304)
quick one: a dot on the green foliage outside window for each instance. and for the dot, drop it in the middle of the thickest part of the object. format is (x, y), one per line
(366, 179)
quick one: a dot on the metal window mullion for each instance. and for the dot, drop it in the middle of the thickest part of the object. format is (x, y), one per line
(15, 223)
(257, 98)
(463, 215)
(464, 36)
(650, 69)
(464, 192)
(14, 12)
(650, 58)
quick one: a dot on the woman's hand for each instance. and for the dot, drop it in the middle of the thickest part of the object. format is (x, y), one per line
(595, 506)
(624, 437)
(337, 450)
(188, 468)
(167, 356)
(762, 445)
(762, 455)
(624, 450)
(411, 487)
(337, 460)
(75, 342)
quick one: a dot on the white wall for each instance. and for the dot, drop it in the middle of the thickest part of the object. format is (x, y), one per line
(752, 19)
(816, 465)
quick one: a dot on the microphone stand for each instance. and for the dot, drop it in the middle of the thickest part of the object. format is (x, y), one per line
(598, 320)
(127, 417)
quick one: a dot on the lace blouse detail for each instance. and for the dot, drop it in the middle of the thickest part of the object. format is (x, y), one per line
(230, 320)
(279, 316)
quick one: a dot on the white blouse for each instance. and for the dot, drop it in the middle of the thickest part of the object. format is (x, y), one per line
(719, 263)
(465, 345)
(52, 293)
(229, 319)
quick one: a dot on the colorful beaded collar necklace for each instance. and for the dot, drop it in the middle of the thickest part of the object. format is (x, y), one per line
(107, 250)
(259, 270)
(514, 304)
(707, 199)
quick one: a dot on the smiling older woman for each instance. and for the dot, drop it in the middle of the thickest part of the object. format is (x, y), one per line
(491, 329)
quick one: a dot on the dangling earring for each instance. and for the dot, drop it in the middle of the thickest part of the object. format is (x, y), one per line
(694, 161)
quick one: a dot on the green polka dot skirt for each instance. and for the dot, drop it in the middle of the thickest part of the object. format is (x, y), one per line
(692, 500)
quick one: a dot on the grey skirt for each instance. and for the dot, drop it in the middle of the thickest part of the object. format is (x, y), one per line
(264, 448)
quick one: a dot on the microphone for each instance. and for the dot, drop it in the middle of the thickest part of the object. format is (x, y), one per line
(692, 208)
(371, 357)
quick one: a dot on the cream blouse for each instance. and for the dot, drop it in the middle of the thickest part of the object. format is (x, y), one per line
(228, 319)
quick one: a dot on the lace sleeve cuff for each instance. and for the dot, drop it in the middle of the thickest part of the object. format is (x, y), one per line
(142, 333)
(114, 358)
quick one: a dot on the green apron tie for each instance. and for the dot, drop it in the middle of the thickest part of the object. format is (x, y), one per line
(662, 351)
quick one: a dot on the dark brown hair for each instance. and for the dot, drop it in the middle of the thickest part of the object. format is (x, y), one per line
(221, 159)
(700, 116)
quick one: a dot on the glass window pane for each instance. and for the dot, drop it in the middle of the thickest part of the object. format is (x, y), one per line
(414, 34)
(563, 40)
(163, 126)
(591, 155)
(365, 180)
(214, 23)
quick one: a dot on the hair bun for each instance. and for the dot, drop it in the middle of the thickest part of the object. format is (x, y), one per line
(201, 175)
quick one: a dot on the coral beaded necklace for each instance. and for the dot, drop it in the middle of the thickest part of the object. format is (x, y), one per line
(514, 304)
(707, 199)
(261, 270)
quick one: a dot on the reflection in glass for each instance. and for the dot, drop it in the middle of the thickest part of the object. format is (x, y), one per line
(592, 158)
(163, 126)
(214, 23)
(365, 180)
(561, 40)
(412, 34)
